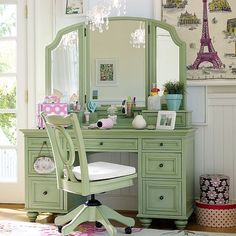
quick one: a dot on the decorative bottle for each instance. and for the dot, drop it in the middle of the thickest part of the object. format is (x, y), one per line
(154, 100)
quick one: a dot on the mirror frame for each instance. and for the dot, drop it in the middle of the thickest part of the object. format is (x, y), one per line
(150, 56)
(81, 29)
(152, 53)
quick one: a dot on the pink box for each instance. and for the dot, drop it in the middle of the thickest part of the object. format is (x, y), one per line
(50, 108)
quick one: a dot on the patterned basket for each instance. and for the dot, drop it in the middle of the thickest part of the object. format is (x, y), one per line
(219, 216)
(214, 189)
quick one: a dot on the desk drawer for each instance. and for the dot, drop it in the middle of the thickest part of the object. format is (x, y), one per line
(162, 198)
(111, 144)
(43, 194)
(163, 165)
(160, 144)
(38, 143)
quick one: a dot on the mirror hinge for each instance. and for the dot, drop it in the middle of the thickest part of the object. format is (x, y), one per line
(85, 32)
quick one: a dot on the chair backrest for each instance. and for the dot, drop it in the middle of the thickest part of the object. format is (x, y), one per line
(66, 139)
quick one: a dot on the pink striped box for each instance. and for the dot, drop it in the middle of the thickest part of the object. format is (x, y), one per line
(50, 108)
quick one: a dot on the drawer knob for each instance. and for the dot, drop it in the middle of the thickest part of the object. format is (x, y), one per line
(101, 143)
(161, 144)
(45, 193)
(161, 197)
(161, 165)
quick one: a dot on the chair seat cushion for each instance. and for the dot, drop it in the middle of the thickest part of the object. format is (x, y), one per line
(104, 170)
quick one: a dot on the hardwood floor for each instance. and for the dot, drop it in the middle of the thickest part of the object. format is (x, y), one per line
(17, 212)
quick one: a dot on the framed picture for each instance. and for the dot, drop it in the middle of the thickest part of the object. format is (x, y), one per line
(166, 120)
(106, 72)
(75, 7)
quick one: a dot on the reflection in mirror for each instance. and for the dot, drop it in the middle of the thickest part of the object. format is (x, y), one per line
(117, 69)
(167, 58)
(65, 66)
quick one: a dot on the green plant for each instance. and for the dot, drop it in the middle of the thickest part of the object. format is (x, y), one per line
(174, 87)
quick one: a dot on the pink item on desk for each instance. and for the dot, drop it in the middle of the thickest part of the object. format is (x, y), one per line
(106, 123)
(50, 108)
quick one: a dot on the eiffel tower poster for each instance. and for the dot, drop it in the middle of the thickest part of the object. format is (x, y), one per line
(208, 31)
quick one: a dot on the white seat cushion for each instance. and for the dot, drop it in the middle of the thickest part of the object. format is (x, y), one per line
(104, 170)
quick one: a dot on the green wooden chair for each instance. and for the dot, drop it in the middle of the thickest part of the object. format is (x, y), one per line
(85, 179)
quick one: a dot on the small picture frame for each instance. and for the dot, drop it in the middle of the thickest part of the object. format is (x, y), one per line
(166, 120)
(75, 7)
(106, 72)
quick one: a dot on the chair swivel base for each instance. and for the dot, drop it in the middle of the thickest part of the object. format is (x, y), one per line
(100, 213)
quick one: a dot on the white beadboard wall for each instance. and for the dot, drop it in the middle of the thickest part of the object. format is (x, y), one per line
(215, 146)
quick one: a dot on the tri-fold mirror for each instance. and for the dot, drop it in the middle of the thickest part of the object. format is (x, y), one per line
(108, 67)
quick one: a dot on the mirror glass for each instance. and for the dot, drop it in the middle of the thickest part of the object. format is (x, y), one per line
(167, 58)
(117, 69)
(65, 66)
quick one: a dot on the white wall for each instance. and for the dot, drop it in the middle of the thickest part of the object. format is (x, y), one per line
(141, 8)
(214, 111)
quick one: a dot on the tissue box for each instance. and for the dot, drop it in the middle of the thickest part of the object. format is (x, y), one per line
(218, 216)
(50, 108)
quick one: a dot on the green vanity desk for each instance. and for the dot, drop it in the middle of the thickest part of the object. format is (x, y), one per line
(165, 172)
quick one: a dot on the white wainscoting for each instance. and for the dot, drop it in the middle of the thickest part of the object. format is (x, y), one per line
(215, 147)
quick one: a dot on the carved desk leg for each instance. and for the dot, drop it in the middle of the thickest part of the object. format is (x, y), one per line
(32, 216)
(181, 224)
(146, 222)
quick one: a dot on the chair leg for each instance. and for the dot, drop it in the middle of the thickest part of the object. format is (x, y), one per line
(101, 217)
(112, 214)
(63, 219)
(81, 217)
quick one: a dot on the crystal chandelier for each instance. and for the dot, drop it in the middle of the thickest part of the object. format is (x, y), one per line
(137, 38)
(119, 5)
(97, 18)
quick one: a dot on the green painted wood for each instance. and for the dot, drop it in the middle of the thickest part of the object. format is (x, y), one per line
(161, 165)
(44, 192)
(162, 197)
(176, 181)
(162, 144)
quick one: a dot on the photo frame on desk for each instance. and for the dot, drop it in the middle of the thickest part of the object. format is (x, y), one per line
(75, 7)
(106, 70)
(166, 120)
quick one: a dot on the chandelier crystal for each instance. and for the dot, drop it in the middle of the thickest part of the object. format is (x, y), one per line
(97, 17)
(137, 38)
(119, 5)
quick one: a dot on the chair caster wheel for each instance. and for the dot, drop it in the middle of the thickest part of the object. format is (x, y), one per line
(128, 230)
(98, 224)
(59, 227)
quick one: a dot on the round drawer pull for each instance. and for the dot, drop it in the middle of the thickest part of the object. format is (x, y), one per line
(161, 197)
(45, 193)
(161, 165)
(161, 144)
(101, 143)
